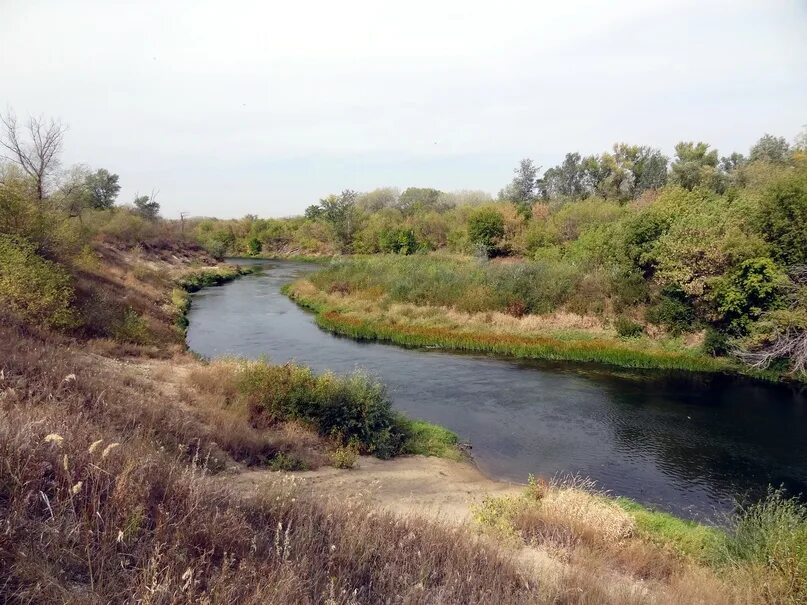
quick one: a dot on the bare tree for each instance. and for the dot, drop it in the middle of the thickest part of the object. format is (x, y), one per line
(38, 156)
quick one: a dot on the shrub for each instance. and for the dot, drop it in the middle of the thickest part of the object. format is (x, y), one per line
(627, 328)
(345, 456)
(35, 289)
(398, 241)
(350, 409)
(715, 342)
(743, 295)
(673, 311)
(783, 218)
(486, 229)
(287, 462)
(132, 327)
(773, 533)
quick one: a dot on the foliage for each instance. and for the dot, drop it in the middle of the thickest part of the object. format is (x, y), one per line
(103, 189)
(695, 166)
(522, 190)
(38, 290)
(345, 456)
(783, 218)
(398, 241)
(773, 533)
(485, 229)
(744, 294)
(770, 149)
(627, 328)
(132, 327)
(146, 207)
(350, 409)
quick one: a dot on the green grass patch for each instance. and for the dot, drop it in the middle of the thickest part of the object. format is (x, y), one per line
(695, 540)
(621, 353)
(426, 439)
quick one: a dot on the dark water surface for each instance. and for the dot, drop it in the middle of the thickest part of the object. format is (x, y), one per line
(689, 444)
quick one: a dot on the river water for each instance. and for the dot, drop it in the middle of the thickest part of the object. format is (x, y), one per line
(688, 444)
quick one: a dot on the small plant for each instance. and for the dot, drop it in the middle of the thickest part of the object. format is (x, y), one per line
(715, 342)
(536, 488)
(516, 308)
(132, 327)
(287, 462)
(627, 328)
(345, 456)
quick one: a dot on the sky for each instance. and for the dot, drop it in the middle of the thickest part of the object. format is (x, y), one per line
(238, 107)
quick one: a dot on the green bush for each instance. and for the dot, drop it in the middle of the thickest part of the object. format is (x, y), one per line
(715, 342)
(486, 229)
(351, 409)
(345, 456)
(398, 241)
(132, 327)
(36, 289)
(287, 462)
(673, 312)
(749, 290)
(627, 328)
(783, 218)
(773, 533)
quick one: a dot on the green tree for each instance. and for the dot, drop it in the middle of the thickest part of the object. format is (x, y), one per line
(341, 213)
(769, 148)
(398, 241)
(147, 207)
(417, 199)
(103, 189)
(378, 199)
(695, 166)
(748, 291)
(783, 218)
(486, 229)
(521, 191)
(565, 179)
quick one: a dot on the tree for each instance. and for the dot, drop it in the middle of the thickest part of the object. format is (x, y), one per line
(783, 219)
(39, 155)
(73, 196)
(732, 163)
(378, 199)
(147, 206)
(769, 148)
(341, 213)
(695, 166)
(650, 169)
(313, 212)
(415, 199)
(522, 189)
(103, 189)
(565, 179)
(486, 229)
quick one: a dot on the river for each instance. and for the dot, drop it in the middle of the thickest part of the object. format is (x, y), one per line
(689, 444)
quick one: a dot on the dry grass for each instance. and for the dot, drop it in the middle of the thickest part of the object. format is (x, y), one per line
(607, 560)
(85, 522)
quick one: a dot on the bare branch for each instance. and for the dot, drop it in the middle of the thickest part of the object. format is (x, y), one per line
(38, 157)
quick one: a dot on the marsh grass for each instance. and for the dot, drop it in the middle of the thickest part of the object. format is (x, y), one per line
(340, 317)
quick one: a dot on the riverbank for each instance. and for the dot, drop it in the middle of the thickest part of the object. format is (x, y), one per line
(367, 316)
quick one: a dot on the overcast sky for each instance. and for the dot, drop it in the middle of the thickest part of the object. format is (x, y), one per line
(233, 107)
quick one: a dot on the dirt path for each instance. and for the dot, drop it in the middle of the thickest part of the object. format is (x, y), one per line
(424, 486)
